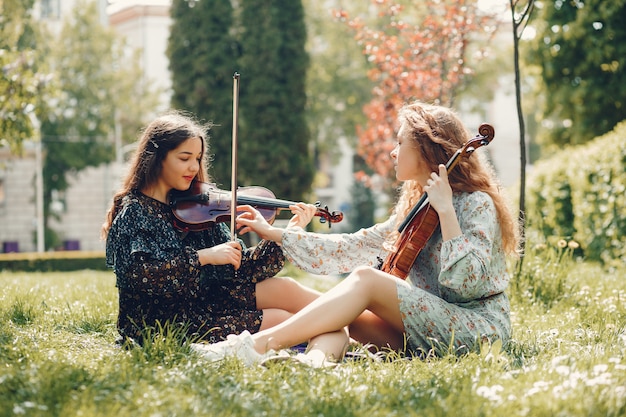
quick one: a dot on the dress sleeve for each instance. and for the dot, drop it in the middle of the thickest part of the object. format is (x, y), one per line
(262, 261)
(337, 253)
(473, 264)
(147, 256)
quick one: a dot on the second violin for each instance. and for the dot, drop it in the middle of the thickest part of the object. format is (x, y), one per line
(203, 204)
(421, 222)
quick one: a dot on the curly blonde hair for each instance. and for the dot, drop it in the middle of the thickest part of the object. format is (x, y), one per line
(438, 133)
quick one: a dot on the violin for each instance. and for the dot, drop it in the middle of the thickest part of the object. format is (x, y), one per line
(204, 204)
(420, 224)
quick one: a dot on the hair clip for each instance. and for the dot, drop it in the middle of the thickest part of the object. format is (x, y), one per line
(154, 144)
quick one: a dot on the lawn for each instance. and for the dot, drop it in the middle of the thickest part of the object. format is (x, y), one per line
(567, 358)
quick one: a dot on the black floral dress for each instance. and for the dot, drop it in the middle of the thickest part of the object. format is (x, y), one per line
(161, 282)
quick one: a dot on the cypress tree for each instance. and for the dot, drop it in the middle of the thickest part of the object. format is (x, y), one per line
(274, 138)
(203, 57)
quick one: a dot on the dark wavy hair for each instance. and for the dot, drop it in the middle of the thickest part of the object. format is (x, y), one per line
(162, 135)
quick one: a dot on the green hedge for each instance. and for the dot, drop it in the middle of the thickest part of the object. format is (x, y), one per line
(579, 194)
(52, 261)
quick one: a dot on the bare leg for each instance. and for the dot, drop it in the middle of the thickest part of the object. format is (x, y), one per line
(280, 297)
(329, 345)
(283, 293)
(364, 289)
(287, 296)
(369, 328)
(272, 317)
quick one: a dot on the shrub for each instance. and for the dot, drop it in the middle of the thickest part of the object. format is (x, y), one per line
(579, 194)
(52, 261)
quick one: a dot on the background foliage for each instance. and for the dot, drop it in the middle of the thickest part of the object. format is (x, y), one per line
(579, 193)
(100, 87)
(337, 82)
(265, 43)
(415, 53)
(24, 78)
(577, 71)
(580, 48)
(202, 63)
(275, 138)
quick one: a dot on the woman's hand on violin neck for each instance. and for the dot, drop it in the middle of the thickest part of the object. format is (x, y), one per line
(440, 198)
(228, 253)
(303, 213)
(251, 220)
(439, 191)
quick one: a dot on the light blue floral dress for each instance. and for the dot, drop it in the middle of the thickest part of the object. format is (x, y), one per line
(454, 295)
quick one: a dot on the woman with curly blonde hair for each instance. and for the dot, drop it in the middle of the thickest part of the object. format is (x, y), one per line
(454, 296)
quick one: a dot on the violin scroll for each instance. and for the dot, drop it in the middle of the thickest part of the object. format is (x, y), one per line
(326, 215)
(487, 131)
(484, 137)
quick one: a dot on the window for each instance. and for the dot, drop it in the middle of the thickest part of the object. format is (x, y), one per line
(50, 9)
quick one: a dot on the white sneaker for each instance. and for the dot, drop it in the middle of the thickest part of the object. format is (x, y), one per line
(240, 346)
(316, 359)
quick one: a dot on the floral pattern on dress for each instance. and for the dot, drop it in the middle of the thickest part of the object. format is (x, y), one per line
(454, 295)
(160, 279)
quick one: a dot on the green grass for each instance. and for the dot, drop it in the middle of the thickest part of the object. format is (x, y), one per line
(567, 358)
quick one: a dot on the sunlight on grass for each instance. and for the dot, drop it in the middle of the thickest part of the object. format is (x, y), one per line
(567, 358)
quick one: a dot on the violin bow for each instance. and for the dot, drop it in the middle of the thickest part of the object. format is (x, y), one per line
(233, 185)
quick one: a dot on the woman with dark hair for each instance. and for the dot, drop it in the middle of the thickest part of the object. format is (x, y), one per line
(202, 282)
(454, 296)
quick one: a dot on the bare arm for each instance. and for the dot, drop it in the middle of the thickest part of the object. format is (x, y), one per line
(251, 220)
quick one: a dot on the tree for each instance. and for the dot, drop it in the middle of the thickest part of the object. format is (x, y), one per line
(337, 82)
(98, 81)
(520, 16)
(265, 44)
(580, 48)
(202, 63)
(23, 78)
(363, 206)
(420, 55)
(337, 90)
(275, 139)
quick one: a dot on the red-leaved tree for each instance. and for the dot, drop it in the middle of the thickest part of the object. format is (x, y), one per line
(417, 54)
